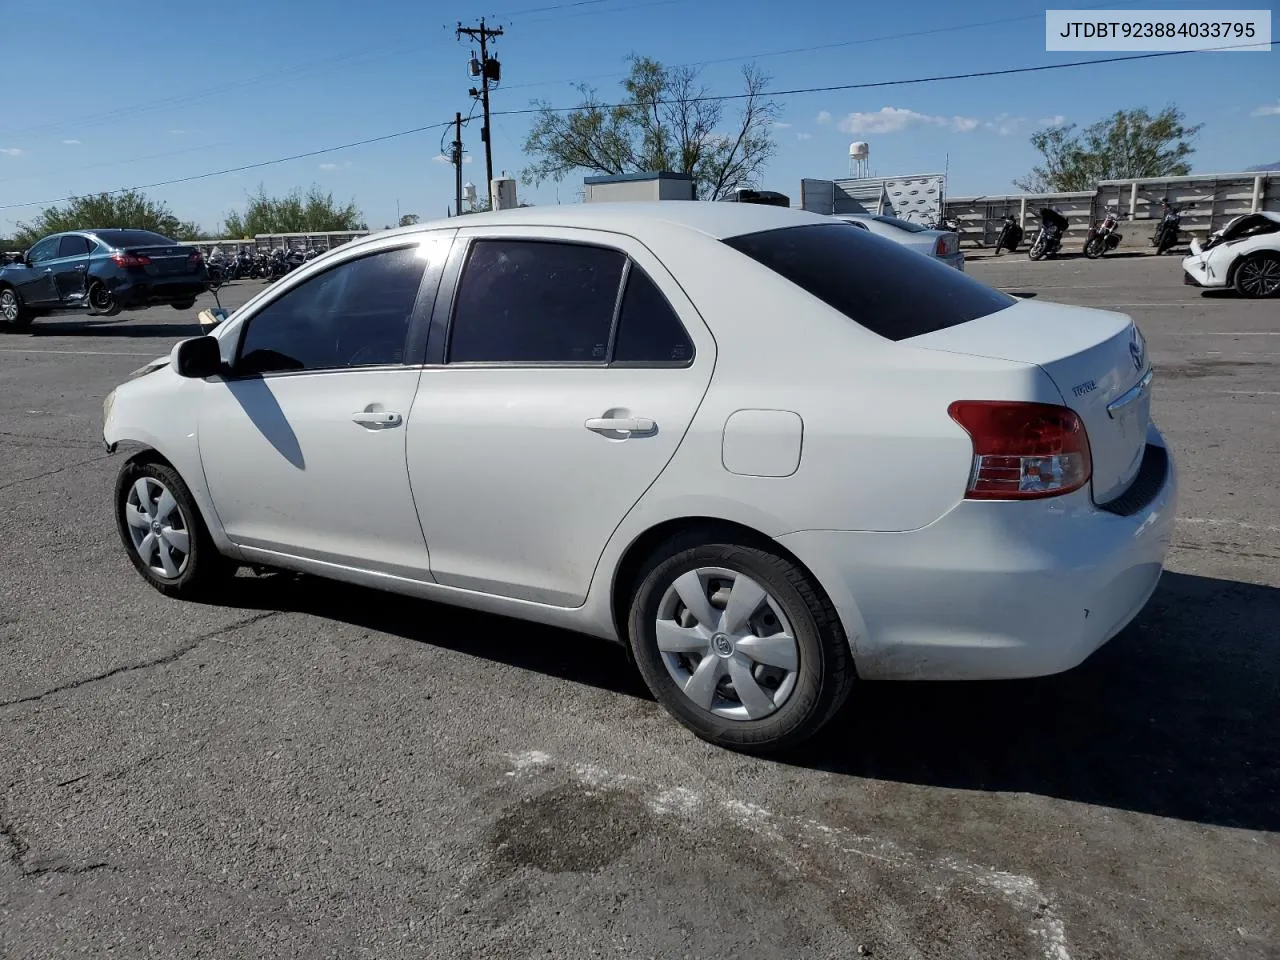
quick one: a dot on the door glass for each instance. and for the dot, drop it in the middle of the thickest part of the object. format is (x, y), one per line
(46, 249)
(73, 247)
(535, 301)
(649, 332)
(356, 314)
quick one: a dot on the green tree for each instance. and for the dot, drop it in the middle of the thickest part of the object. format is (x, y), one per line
(1127, 144)
(409, 219)
(128, 208)
(667, 120)
(297, 212)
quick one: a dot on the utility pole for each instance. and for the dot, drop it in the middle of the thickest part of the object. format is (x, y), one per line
(457, 164)
(487, 70)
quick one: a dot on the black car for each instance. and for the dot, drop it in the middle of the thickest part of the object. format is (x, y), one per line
(101, 272)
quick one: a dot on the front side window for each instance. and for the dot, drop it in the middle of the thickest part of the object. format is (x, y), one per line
(535, 301)
(352, 315)
(46, 249)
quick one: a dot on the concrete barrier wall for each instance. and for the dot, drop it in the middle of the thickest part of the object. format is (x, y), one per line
(1208, 203)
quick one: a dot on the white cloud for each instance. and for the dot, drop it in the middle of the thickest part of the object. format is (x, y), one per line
(804, 136)
(1056, 120)
(1004, 124)
(824, 116)
(444, 158)
(895, 119)
(782, 126)
(1267, 110)
(335, 166)
(72, 143)
(12, 151)
(177, 133)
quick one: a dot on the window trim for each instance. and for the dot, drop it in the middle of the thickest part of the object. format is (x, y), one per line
(430, 274)
(463, 249)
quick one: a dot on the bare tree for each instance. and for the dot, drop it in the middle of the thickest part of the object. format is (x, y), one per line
(667, 121)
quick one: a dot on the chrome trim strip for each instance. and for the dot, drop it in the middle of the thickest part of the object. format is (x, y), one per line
(1130, 395)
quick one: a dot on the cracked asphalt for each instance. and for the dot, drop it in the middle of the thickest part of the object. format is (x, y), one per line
(314, 770)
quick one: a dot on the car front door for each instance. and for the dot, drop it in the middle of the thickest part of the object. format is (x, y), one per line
(71, 268)
(35, 285)
(548, 405)
(302, 441)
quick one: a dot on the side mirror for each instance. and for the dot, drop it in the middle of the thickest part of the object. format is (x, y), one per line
(198, 358)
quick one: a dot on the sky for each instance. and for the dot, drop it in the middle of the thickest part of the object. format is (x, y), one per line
(202, 88)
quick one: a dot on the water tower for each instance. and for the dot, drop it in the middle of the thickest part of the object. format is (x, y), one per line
(859, 154)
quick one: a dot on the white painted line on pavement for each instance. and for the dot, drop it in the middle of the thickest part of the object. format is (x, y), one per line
(1206, 521)
(1252, 393)
(1232, 333)
(86, 353)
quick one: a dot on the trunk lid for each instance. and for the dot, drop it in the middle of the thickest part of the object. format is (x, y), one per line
(1096, 358)
(167, 261)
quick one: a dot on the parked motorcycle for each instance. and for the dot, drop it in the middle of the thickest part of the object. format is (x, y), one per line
(1103, 236)
(1010, 234)
(1048, 239)
(1166, 233)
(949, 224)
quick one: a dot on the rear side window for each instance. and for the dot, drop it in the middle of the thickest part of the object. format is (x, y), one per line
(890, 289)
(535, 301)
(649, 332)
(73, 246)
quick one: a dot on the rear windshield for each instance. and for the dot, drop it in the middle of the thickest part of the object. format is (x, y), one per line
(134, 238)
(890, 289)
(901, 224)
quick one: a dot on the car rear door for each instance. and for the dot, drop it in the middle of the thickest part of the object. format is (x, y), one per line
(71, 268)
(549, 405)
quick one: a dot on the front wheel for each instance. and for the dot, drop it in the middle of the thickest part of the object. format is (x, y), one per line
(13, 315)
(739, 644)
(164, 534)
(1095, 247)
(1258, 277)
(1037, 250)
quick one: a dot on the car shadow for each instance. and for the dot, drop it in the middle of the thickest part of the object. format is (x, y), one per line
(1176, 717)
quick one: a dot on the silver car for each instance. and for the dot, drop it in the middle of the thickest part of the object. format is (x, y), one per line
(939, 244)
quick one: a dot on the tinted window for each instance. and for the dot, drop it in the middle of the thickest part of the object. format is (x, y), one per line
(648, 329)
(533, 301)
(134, 238)
(46, 249)
(73, 247)
(888, 288)
(906, 225)
(353, 315)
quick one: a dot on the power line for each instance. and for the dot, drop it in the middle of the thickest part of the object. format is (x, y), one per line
(734, 96)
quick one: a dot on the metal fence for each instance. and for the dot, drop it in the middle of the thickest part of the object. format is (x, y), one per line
(1208, 202)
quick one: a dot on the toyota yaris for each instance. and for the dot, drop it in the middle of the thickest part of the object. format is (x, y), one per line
(773, 455)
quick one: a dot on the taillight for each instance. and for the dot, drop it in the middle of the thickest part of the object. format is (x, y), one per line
(196, 258)
(943, 247)
(130, 259)
(1023, 450)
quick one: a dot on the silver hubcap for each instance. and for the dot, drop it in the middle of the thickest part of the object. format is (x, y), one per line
(1260, 277)
(727, 644)
(158, 528)
(9, 305)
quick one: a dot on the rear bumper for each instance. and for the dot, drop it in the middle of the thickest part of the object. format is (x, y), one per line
(160, 291)
(955, 260)
(995, 590)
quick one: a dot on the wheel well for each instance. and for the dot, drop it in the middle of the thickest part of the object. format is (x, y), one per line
(1235, 264)
(712, 529)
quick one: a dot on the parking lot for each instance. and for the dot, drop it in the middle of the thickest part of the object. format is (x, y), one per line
(315, 770)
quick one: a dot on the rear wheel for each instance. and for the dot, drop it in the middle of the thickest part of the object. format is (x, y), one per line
(13, 315)
(1095, 247)
(1258, 277)
(183, 304)
(738, 644)
(164, 534)
(102, 301)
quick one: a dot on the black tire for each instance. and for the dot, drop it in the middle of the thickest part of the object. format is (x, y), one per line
(825, 671)
(14, 315)
(102, 302)
(1037, 250)
(1094, 248)
(1258, 277)
(183, 304)
(205, 571)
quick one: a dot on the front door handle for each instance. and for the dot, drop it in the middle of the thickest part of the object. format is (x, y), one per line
(620, 425)
(377, 418)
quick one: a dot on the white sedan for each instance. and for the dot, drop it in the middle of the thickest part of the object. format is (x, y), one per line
(943, 245)
(773, 455)
(1244, 255)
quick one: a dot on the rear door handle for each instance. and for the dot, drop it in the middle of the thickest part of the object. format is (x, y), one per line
(377, 418)
(620, 425)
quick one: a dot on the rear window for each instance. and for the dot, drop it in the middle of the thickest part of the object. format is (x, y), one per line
(890, 289)
(906, 225)
(134, 238)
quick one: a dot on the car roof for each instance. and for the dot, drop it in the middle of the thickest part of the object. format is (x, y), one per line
(716, 219)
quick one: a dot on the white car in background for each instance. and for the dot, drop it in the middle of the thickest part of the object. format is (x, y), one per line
(771, 454)
(1244, 255)
(941, 245)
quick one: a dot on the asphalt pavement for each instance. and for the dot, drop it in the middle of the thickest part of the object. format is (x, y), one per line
(313, 770)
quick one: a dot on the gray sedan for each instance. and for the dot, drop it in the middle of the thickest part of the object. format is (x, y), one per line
(939, 244)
